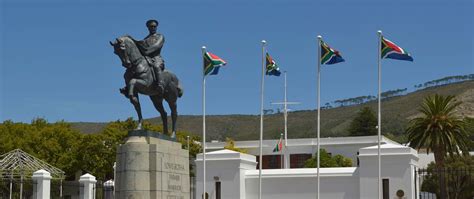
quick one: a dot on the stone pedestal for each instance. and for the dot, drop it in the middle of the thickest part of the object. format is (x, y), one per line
(151, 166)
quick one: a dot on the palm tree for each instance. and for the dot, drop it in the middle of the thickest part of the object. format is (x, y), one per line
(439, 130)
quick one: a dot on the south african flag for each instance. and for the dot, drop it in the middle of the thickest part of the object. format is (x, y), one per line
(212, 63)
(329, 55)
(271, 66)
(279, 145)
(390, 50)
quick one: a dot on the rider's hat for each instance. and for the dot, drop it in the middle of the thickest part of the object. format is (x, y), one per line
(152, 20)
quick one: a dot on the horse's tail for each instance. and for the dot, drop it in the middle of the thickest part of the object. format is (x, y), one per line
(176, 82)
(180, 90)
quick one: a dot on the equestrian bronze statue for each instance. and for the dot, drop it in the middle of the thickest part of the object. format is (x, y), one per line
(146, 74)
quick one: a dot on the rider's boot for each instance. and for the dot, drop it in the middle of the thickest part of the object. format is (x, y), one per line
(159, 80)
(123, 91)
(161, 88)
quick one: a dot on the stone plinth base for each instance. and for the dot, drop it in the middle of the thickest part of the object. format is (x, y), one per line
(151, 166)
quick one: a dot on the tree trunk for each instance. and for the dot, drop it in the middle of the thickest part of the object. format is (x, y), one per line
(439, 160)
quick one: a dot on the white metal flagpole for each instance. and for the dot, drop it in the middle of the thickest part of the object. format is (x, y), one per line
(286, 127)
(379, 124)
(261, 122)
(281, 152)
(319, 114)
(204, 126)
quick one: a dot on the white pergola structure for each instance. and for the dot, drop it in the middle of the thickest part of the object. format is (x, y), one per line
(18, 164)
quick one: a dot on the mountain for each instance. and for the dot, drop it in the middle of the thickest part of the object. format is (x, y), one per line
(396, 111)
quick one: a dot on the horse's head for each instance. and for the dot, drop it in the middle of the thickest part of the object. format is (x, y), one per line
(122, 49)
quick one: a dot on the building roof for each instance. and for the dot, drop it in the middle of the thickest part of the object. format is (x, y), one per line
(387, 146)
(301, 172)
(225, 151)
(388, 149)
(305, 142)
(225, 154)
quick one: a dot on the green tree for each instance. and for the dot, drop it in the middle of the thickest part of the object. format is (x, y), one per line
(438, 129)
(54, 143)
(470, 131)
(326, 160)
(95, 158)
(364, 123)
(101, 148)
(459, 176)
(230, 145)
(194, 147)
(342, 161)
(71, 151)
(194, 142)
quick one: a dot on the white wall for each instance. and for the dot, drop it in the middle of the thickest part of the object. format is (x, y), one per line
(346, 146)
(397, 165)
(229, 167)
(349, 151)
(399, 177)
(228, 173)
(239, 178)
(425, 159)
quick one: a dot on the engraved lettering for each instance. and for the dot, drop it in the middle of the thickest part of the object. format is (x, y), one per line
(174, 166)
(174, 197)
(174, 177)
(174, 182)
(174, 187)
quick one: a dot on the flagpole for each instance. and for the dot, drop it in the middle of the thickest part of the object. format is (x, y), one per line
(204, 126)
(281, 153)
(286, 126)
(319, 112)
(379, 125)
(261, 122)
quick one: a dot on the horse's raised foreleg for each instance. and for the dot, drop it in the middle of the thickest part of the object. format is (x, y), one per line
(133, 96)
(174, 116)
(131, 86)
(136, 103)
(158, 103)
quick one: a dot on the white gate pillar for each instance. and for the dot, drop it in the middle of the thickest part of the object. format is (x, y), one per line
(227, 167)
(109, 189)
(42, 180)
(87, 182)
(398, 164)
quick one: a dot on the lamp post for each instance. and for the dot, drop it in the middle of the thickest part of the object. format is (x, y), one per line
(285, 104)
(187, 138)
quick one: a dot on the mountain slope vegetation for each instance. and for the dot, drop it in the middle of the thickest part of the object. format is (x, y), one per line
(396, 111)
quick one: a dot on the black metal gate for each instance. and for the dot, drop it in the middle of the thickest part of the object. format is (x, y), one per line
(458, 182)
(99, 189)
(23, 188)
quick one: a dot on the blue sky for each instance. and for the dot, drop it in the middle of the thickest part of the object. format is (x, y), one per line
(56, 61)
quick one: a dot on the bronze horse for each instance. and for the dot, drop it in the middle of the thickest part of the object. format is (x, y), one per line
(139, 79)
